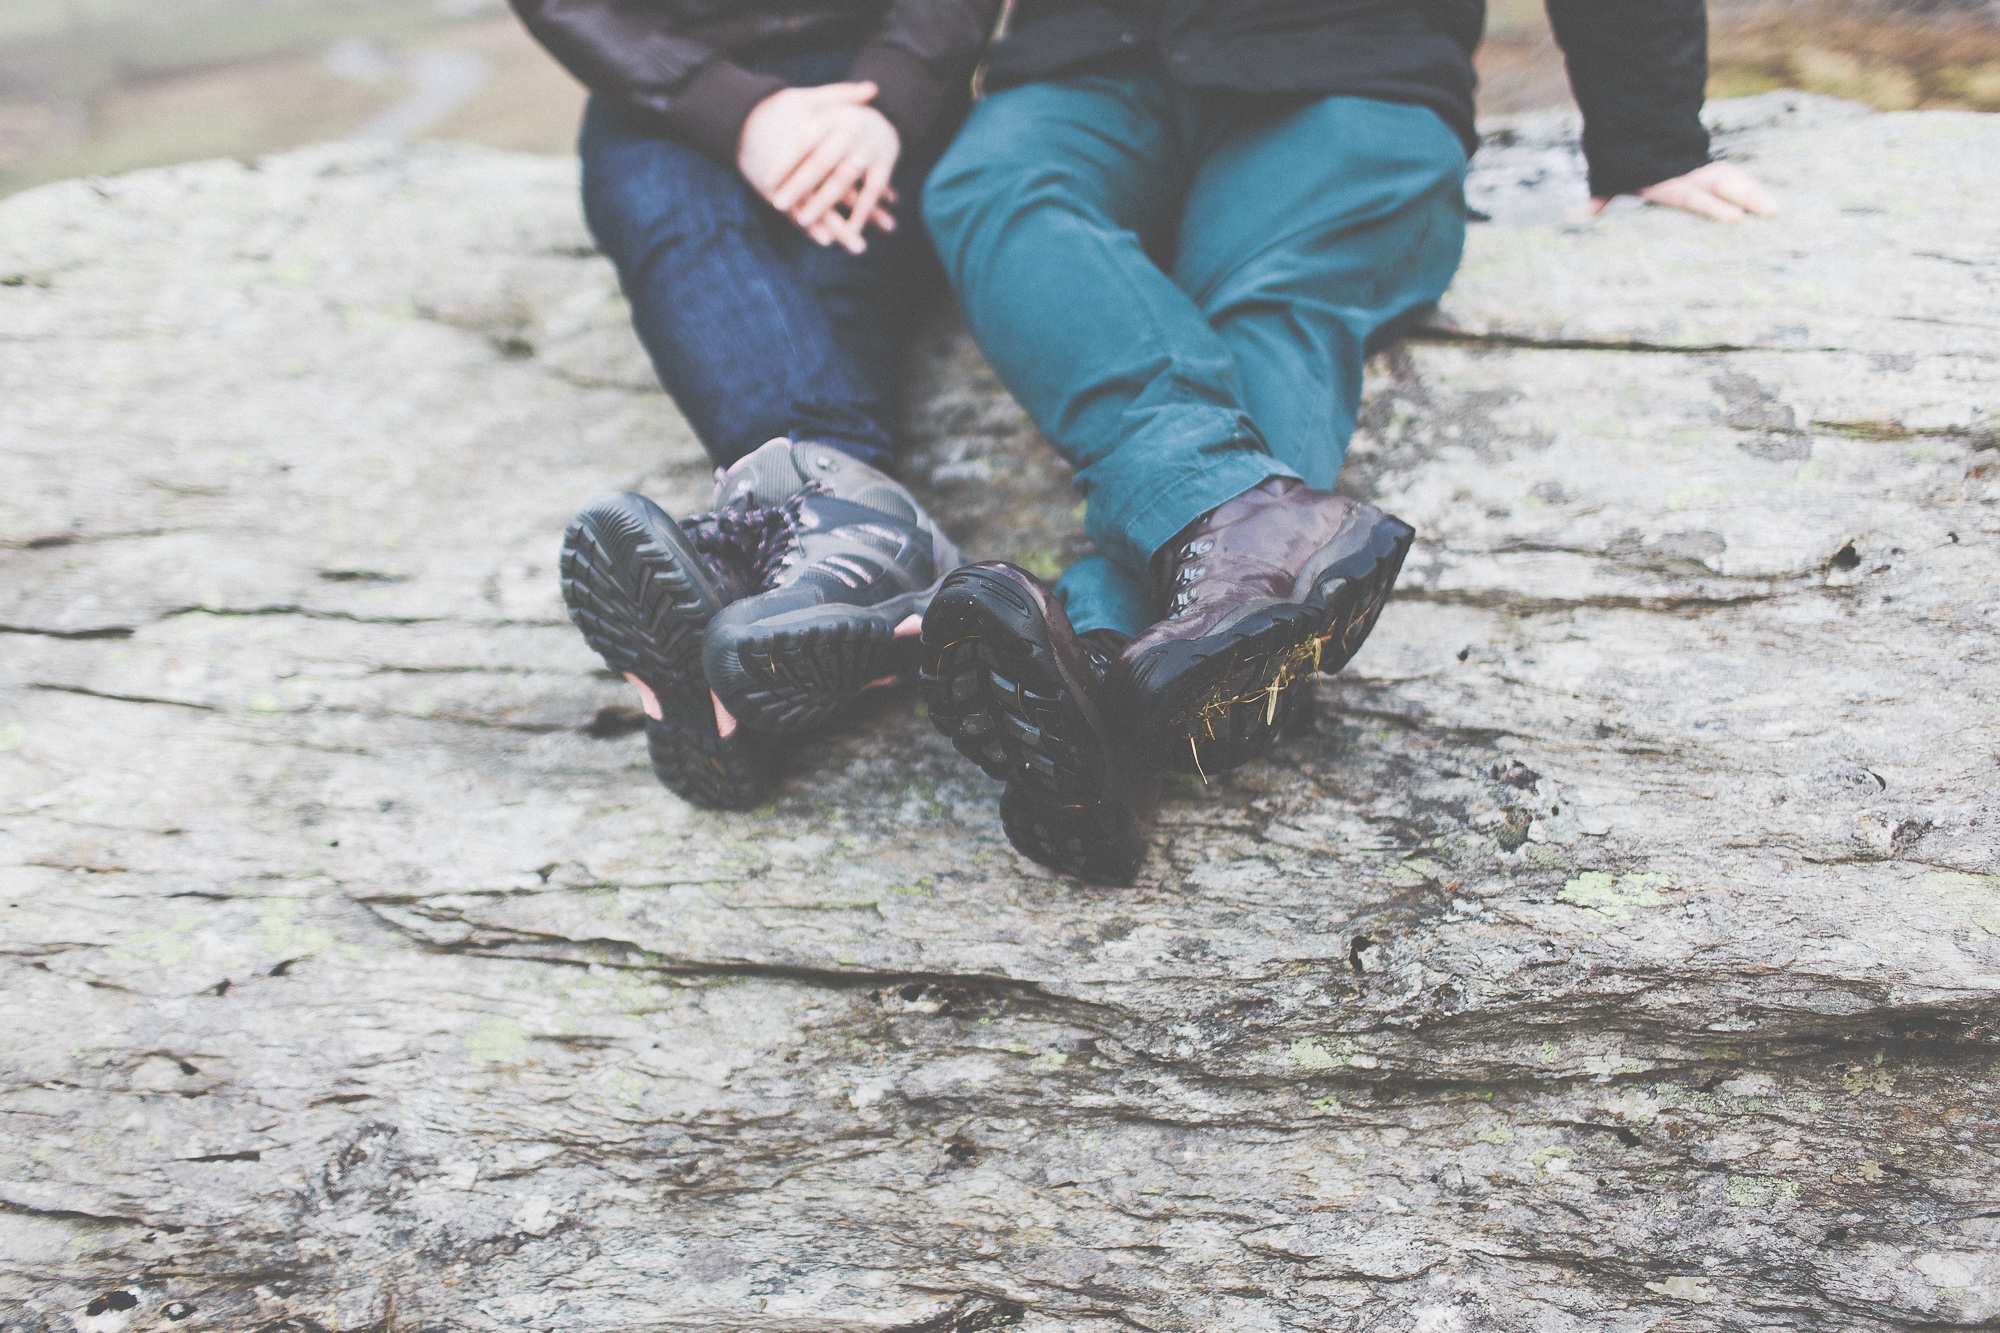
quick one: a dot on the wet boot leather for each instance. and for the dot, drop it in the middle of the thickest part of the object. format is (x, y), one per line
(1257, 596)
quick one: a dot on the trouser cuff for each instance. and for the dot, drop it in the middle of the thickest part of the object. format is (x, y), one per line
(1131, 535)
(1097, 594)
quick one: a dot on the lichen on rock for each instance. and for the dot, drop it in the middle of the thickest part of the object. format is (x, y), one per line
(1619, 951)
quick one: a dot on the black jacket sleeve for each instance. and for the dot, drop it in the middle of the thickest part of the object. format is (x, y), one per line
(647, 63)
(1638, 69)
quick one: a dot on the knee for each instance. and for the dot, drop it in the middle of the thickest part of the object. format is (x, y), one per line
(954, 188)
(641, 194)
(981, 189)
(1005, 155)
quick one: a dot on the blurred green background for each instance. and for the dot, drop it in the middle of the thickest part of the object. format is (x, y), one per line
(98, 86)
(95, 86)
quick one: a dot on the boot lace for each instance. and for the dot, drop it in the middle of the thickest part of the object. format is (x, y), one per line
(1186, 576)
(758, 543)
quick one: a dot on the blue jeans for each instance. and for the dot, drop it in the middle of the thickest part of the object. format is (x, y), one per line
(1180, 287)
(754, 330)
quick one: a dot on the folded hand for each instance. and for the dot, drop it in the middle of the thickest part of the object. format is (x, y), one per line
(823, 157)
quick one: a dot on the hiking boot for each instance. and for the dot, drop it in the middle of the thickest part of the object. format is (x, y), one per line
(1017, 691)
(843, 562)
(643, 590)
(1259, 595)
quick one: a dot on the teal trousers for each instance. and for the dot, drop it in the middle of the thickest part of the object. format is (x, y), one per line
(1180, 287)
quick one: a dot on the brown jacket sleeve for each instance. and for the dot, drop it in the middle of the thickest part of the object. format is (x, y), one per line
(922, 59)
(640, 58)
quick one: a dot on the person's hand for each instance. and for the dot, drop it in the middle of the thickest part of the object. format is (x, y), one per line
(812, 152)
(1719, 190)
(849, 170)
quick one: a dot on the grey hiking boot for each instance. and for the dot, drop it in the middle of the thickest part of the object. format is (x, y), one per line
(846, 562)
(643, 589)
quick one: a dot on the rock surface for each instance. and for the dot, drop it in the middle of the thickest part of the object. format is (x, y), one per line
(1623, 951)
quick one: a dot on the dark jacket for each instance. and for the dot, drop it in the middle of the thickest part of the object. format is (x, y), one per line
(666, 63)
(1637, 66)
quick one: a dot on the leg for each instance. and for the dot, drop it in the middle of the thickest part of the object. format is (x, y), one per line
(733, 312)
(872, 301)
(1041, 211)
(1097, 594)
(1306, 230)
(1306, 234)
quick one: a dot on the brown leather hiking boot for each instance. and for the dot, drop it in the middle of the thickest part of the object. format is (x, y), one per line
(1258, 595)
(1018, 692)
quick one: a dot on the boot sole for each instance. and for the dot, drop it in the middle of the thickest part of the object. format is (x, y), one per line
(1226, 698)
(792, 672)
(993, 686)
(630, 582)
(1086, 842)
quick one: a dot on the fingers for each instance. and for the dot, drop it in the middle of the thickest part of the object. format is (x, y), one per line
(828, 156)
(847, 226)
(1682, 192)
(1739, 187)
(837, 165)
(820, 96)
(1711, 205)
(1719, 190)
(846, 169)
(840, 183)
(846, 94)
(874, 188)
(1707, 203)
(833, 226)
(784, 130)
(862, 208)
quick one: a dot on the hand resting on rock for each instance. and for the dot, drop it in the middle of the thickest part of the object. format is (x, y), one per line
(1719, 190)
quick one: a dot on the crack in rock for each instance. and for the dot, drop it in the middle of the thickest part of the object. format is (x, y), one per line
(1620, 946)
